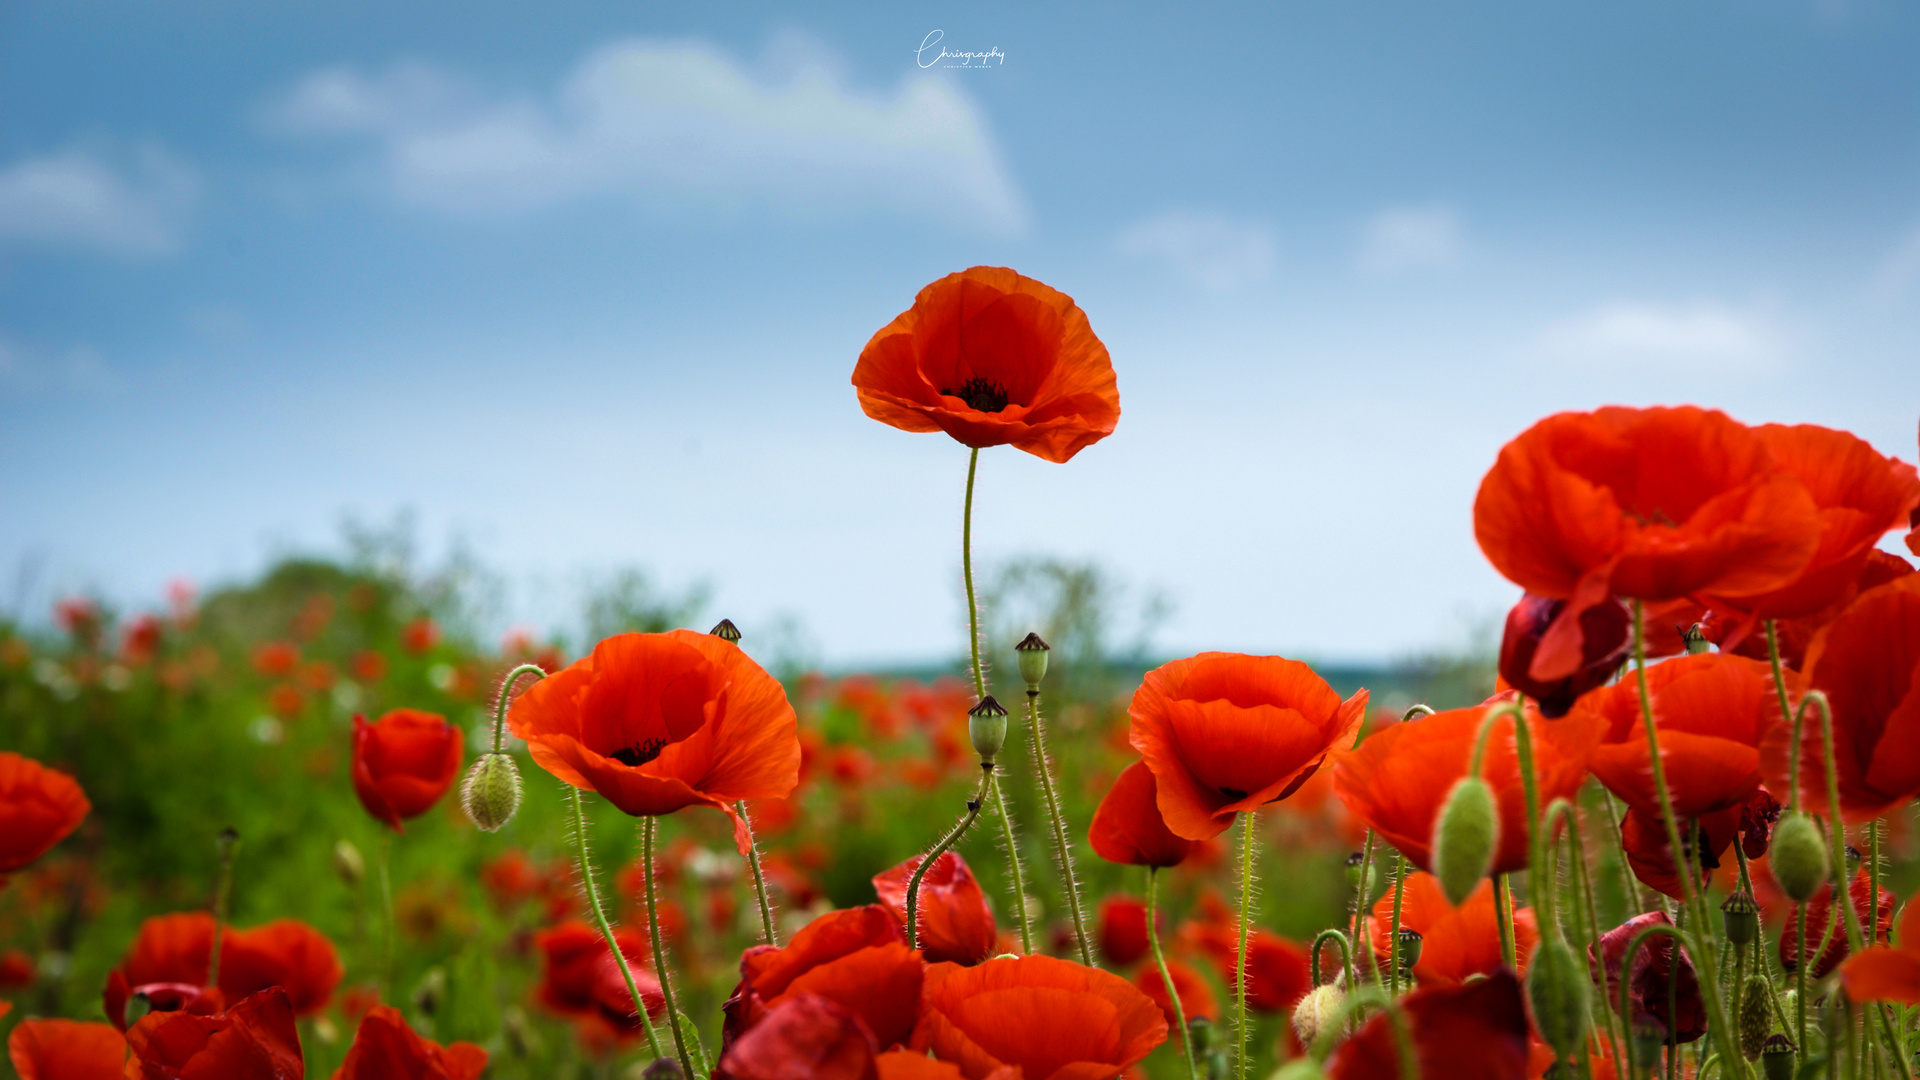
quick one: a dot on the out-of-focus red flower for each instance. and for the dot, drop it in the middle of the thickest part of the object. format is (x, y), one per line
(286, 953)
(316, 676)
(857, 958)
(1606, 638)
(850, 766)
(66, 1050)
(1476, 1029)
(368, 666)
(1122, 930)
(1884, 972)
(1455, 942)
(403, 763)
(1053, 1019)
(658, 722)
(286, 701)
(992, 357)
(275, 659)
(254, 1040)
(1647, 983)
(1196, 997)
(80, 617)
(1400, 776)
(510, 879)
(1278, 974)
(956, 919)
(804, 1036)
(142, 638)
(420, 635)
(1128, 829)
(16, 970)
(386, 1048)
(863, 696)
(579, 977)
(38, 808)
(358, 1001)
(1225, 733)
(792, 881)
(1875, 923)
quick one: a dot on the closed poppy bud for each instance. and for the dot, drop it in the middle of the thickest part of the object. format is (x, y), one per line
(1465, 836)
(1741, 917)
(348, 864)
(1033, 659)
(726, 630)
(491, 791)
(987, 727)
(1756, 1018)
(1776, 1058)
(1798, 857)
(1557, 989)
(1316, 1010)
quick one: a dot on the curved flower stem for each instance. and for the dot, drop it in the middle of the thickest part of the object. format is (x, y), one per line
(1362, 892)
(600, 920)
(386, 910)
(1800, 975)
(953, 836)
(1062, 847)
(660, 954)
(507, 682)
(1360, 998)
(966, 571)
(1339, 938)
(1166, 977)
(759, 878)
(1243, 1032)
(1837, 829)
(1393, 929)
(1503, 917)
(1013, 864)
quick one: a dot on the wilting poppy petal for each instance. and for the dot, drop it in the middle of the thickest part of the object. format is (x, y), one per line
(403, 763)
(1648, 985)
(956, 919)
(1455, 942)
(1121, 929)
(658, 722)
(1478, 1029)
(1127, 827)
(1053, 1019)
(1886, 972)
(1226, 732)
(66, 1050)
(991, 357)
(1873, 926)
(254, 1040)
(387, 1048)
(807, 1037)
(286, 953)
(856, 958)
(1196, 997)
(1606, 635)
(38, 808)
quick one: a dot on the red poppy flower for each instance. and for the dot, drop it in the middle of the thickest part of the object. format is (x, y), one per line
(578, 976)
(1646, 504)
(1053, 1019)
(990, 358)
(254, 1040)
(66, 1050)
(805, 1036)
(1196, 997)
(386, 1048)
(420, 635)
(1455, 942)
(1643, 837)
(38, 808)
(403, 763)
(275, 659)
(1278, 973)
(1710, 711)
(510, 879)
(1401, 775)
(1121, 929)
(1864, 661)
(1874, 925)
(1606, 638)
(1477, 1029)
(1128, 829)
(956, 919)
(16, 970)
(1794, 635)
(1648, 984)
(1884, 972)
(286, 953)
(159, 997)
(658, 722)
(1225, 732)
(856, 958)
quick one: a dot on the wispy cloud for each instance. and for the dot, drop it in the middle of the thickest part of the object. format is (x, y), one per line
(1702, 332)
(1210, 250)
(1411, 238)
(130, 205)
(668, 122)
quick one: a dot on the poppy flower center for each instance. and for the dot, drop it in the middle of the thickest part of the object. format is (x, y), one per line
(1233, 793)
(980, 394)
(640, 753)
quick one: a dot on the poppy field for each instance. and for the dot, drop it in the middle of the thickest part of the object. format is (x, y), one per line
(298, 827)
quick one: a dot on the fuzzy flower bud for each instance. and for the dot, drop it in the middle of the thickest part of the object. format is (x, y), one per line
(1799, 857)
(348, 864)
(1756, 1019)
(1741, 917)
(987, 727)
(1465, 837)
(491, 791)
(1558, 989)
(1033, 659)
(1317, 1010)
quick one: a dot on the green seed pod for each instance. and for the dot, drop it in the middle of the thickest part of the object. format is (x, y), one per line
(1741, 917)
(1033, 659)
(431, 992)
(1695, 637)
(1776, 1058)
(1558, 989)
(1799, 857)
(726, 631)
(1465, 836)
(491, 791)
(1645, 1044)
(1200, 1030)
(987, 727)
(348, 864)
(1316, 1010)
(1353, 868)
(1756, 1019)
(1852, 861)
(1410, 943)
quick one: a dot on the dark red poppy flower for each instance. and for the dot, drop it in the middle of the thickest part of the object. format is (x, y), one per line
(286, 953)
(159, 997)
(1643, 504)
(658, 722)
(510, 879)
(1647, 985)
(403, 763)
(856, 957)
(1128, 829)
(1278, 973)
(275, 659)
(578, 976)
(66, 1050)
(1053, 1019)
(1401, 775)
(956, 919)
(1884, 972)
(1476, 1029)
(991, 357)
(1121, 929)
(1643, 837)
(254, 1040)
(420, 635)
(1455, 942)
(1226, 732)
(1606, 631)
(1875, 923)
(806, 1036)
(1864, 661)
(1196, 997)
(1710, 711)
(386, 1048)
(16, 970)
(38, 808)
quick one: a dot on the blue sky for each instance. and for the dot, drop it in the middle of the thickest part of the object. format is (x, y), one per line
(582, 286)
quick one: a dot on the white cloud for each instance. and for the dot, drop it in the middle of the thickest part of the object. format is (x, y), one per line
(668, 122)
(1210, 250)
(79, 198)
(1701, 333)
(1405, 238)
(1901, 267)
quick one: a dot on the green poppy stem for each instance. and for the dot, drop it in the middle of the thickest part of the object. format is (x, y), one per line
(1243, 1033)
(647, 827)
(1063, 848)
(600, 919)
(759, 878)
(1166, 977)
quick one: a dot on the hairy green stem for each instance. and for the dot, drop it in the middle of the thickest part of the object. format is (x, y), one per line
(506, 698)
(966, 571)
(1013, 863)
(1393, 929)
(647, 827)
(953, 836)
(1363, 892)
(600, 920)
(1166, 977)
(1242, 1030)
(386, 910)
(1063, 848)
(759, 878)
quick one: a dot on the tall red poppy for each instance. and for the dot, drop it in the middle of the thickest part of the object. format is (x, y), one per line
(956, 919)
(1226, 732)
(1645, 504)
(1401, 775)
(38, 808)
(1121, 929)
(1792, 636)
(1053, 1019)
(1875, 922)
(1709, 710)
(658, 722)
(1477, 1029)
(991, 357)
(176, 949)
(856, 957)
(1652, 978)
(403, 763)
(1455, 942)
(1885, 972)
(1864, 661)
(1127, 827)
(66, 1050)
(1196, 997)
(254, 1040)
(387, 1048)
(805, 1036)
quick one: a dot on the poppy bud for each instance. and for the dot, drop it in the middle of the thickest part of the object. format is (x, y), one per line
(1606, 633)
(1353, 868)
(726, 631)
(1200, 1030)
(1776, 1058)
(1465, 836)
(1033, 659)
(431, 992)
(1798, 857)
(1317, 1010)
(1644, 1046)
(1741, 917)
(491, 792)
(348, 864)
(1557, 989)
(1756, 1019)
(987, 727)
(1410, 942)
(1695, 639)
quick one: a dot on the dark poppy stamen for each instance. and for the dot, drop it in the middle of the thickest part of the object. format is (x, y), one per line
(983, 395)
(639, 754)
(1233, 793)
